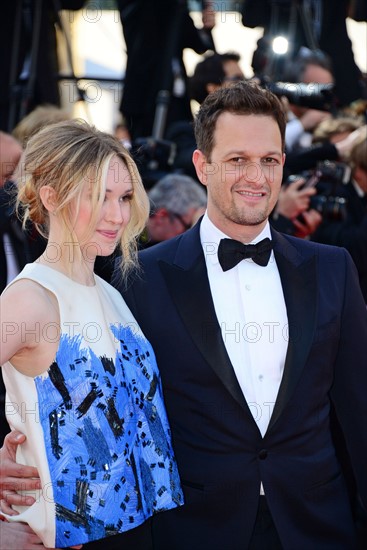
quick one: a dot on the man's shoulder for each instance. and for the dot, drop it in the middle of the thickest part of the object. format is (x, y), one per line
(308, 249)
(186, 242)
(149, 258)
(162, 249)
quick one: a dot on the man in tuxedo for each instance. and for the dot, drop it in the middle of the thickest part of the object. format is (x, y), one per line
(254, 357)
(261, 348)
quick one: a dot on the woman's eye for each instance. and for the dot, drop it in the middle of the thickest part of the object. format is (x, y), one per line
(126, 198)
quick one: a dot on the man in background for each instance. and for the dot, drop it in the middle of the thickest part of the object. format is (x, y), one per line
(176, 203)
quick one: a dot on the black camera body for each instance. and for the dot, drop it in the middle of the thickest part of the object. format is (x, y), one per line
(312, 96)
(328, 179)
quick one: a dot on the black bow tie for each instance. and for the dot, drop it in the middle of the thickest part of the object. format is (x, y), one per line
(231, 252)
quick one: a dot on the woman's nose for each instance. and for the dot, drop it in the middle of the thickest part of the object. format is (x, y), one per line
(114, 213)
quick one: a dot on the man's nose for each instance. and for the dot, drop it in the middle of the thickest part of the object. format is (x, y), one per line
(253, 172)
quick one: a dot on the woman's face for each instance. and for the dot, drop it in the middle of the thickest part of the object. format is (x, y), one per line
(113, 217)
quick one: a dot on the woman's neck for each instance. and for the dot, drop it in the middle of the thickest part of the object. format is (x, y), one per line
(69, 261)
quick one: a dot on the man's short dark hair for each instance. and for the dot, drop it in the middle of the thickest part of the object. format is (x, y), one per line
(242, 98)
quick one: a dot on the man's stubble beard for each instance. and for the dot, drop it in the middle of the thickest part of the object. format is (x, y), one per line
(245, 216)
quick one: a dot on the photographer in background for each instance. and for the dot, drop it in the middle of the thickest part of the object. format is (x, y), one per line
(350, 231)
(332, 140)
(292, 213)
(299, 210)
(308, 67)
(156, 34)
(317, 24)
(176, 203)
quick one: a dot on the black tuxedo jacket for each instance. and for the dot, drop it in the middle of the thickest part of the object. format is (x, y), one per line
(221, 454)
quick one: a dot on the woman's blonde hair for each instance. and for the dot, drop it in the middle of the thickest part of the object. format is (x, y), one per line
(66, 156)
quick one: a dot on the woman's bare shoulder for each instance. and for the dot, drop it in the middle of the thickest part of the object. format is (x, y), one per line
(25, 298)
(26, 309)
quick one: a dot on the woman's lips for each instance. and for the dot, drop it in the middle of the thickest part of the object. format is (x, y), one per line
(108, 234)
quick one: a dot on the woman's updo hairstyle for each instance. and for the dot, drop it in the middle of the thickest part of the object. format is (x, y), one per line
(66, 156)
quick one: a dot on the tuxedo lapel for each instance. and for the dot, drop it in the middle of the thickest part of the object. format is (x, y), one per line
(188, 284)
(299, 282)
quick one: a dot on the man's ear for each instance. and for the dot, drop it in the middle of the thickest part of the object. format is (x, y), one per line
(201, 166)
(49, 198)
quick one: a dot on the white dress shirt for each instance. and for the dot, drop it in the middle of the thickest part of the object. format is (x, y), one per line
(251, 312)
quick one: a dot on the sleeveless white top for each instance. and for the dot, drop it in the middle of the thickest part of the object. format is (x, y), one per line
(95, 421)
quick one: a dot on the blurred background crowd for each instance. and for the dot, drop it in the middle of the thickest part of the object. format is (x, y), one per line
(153, 63)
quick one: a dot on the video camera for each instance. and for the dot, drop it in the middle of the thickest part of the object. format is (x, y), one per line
(327, 178)
(312, 96)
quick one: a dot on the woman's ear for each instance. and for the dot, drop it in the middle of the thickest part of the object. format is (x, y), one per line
(48, 198)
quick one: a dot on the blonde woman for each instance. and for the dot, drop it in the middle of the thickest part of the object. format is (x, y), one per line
(82, 382)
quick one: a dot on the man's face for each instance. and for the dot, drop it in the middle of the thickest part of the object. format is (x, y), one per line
(232, 71)
(244, 175)
(163, 225)
(314, 73)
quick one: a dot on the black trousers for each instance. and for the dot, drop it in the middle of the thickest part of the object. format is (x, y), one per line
(136, 539)
(265, 535)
